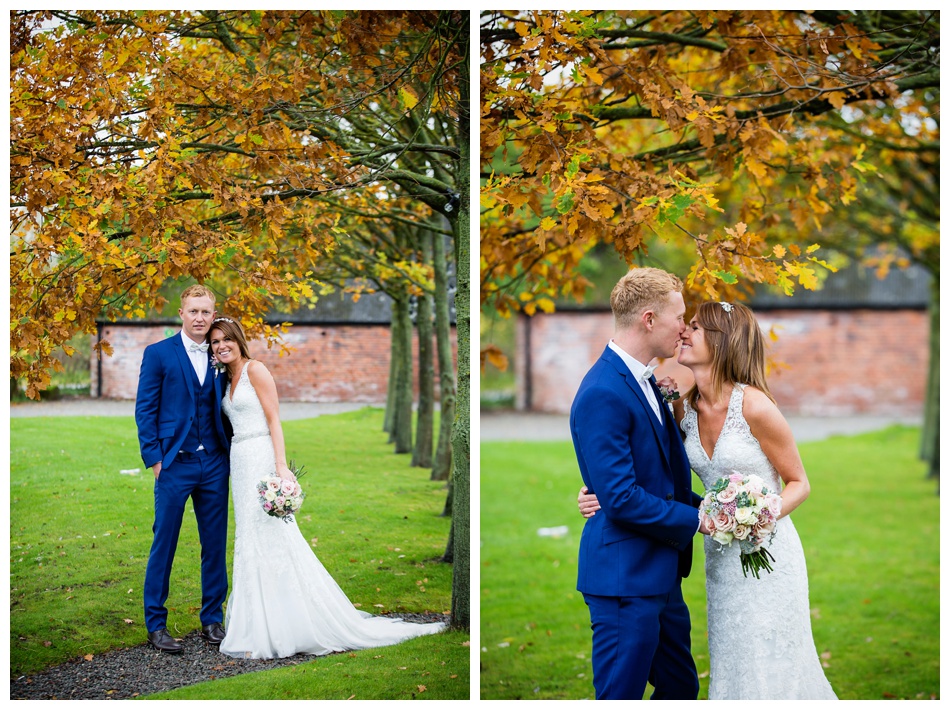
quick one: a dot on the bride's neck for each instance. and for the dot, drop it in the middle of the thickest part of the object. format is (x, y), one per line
(703, 379)
(234, 369)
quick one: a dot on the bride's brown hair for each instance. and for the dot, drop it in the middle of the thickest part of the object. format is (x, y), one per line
(736, 345)
(230, 329)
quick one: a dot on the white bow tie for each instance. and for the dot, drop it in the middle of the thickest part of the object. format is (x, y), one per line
(195, 347)
(648, 372)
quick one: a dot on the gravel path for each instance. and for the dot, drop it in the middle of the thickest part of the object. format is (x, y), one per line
(131, 672)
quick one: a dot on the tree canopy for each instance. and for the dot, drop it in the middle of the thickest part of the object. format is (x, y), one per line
(741, 135)
(235, 148)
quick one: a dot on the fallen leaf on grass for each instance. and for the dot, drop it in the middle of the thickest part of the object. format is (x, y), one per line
(128, 621)
(89, 656)
(421, 688)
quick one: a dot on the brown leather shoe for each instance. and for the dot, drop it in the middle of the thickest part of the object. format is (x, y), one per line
(213, 633)
(163, 641)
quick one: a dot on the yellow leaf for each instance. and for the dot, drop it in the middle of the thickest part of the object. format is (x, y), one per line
(779, 251)
(546, 305)
(813, 248)
(408, 97)
(548, 223)
(521, 28)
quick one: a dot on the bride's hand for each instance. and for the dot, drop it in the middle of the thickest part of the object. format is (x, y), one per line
(587, 503)
(283, 471)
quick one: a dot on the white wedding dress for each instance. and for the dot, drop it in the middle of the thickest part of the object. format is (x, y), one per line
(283, 601)
(760, 640)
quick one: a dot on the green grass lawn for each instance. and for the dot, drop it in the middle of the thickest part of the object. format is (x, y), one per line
(870, 530)
(80, 533)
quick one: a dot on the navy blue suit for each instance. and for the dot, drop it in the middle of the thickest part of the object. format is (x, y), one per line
(180, 425)
(635, 551)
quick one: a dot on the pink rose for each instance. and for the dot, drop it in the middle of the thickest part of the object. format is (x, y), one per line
(741, 532)
(722, 520)
(287, 487)
(736, 478)
(728, 493)
(268, 506)
(774, 503)
(273, 484)
(279, 502)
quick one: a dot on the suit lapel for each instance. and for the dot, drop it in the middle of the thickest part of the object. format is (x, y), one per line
(658, 429)
(187, 370)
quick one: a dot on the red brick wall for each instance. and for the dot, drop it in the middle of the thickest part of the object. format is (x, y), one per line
(826, 363)
(329, 364)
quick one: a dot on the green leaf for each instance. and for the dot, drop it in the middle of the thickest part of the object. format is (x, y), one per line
(726, 277)
(566, 203)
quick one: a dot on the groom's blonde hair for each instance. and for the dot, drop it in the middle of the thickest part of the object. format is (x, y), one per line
(639, 290)
(197, 291)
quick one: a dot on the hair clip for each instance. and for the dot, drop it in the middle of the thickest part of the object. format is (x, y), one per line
(727, 307)
(226, 320)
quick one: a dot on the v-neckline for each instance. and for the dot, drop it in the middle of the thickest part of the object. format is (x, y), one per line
(699, 435)
(235, 384)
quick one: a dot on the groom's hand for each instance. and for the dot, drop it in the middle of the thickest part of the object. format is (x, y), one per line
(157, 469)
(587, 503)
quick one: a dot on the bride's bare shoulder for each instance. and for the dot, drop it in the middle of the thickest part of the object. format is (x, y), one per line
(257, 370)
(759, 409)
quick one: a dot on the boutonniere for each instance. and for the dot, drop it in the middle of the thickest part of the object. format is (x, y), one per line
(218, 366)
(670, 395)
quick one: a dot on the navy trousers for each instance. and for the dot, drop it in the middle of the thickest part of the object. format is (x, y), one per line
(203, 477)
(642, 639)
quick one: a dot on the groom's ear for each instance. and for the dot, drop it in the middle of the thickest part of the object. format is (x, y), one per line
(646, 319)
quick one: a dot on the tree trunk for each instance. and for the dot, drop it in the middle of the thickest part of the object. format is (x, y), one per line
(401, 434)
(389, 415)
(461, 444)
(442, 465)
(930, 437)
(449, 556)
(422, 454)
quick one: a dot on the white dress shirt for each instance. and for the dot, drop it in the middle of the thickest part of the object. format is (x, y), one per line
(199, 359)
(637, 369)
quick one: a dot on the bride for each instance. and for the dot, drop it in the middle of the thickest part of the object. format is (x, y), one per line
(282, 601)
(760, 639)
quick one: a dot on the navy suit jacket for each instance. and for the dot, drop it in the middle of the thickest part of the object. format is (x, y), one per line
(640, 542)
(165, 402)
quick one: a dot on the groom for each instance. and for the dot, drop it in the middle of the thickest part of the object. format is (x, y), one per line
(183, 440)
(634, 555)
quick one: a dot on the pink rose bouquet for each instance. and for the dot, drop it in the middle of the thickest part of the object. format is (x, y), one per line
(280, 497)
(742, 508)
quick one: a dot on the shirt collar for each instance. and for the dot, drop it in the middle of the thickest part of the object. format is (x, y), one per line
(635, 366)
(186, 340)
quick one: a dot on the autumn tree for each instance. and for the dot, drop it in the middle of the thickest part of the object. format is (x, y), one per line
(743, 135)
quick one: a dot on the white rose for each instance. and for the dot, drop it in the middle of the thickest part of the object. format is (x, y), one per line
(746, 516)
(270, 495)
(723, 538)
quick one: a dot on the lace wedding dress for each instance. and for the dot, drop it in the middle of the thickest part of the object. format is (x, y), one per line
(283, 601)
(760, 640)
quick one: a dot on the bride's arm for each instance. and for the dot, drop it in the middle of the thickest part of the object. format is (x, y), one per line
(266, 390)
(775, 437)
